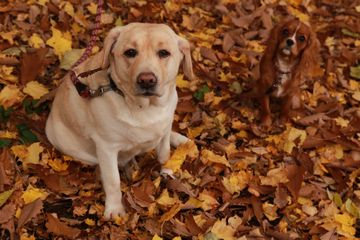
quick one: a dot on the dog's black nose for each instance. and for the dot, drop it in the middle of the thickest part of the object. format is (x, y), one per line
(146, 80)
(289, 42)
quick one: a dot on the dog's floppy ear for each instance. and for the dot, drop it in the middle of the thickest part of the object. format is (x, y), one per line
(108, 45)
(184, 47)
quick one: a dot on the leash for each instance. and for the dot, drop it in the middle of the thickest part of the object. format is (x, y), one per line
(93, 37)
(84, 90)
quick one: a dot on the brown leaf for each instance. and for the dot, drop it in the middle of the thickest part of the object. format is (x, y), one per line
(192, 226)
(295, 174)
(177, 185)
(281, 196)
(30, 211)
(31, 64)
(209, 54)
(55, 226)
(228, 43)
(144, 193)
(7, 168)
(7, 212)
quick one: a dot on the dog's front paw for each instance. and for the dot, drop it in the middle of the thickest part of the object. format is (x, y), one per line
(167, 172)
(114, 209)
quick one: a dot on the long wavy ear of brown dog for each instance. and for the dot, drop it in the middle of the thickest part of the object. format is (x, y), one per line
(108, 45)
(184, 47)
(309, 62)
(267, 70)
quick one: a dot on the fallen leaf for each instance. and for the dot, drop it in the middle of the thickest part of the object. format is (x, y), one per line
(35, 89)
(55, 226)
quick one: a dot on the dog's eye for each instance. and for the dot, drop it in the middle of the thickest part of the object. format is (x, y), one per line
(163, 53)
(130, 53)
(285, 32)
(301, 38)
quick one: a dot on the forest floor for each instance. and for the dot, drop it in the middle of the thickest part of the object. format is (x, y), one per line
(298, 180)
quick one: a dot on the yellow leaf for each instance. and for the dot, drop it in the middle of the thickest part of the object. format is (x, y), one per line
(208, 201)
(26, 236)
(36, 41)
(356, 96)
(10, 95)
(274, 177)
(242, 59)
(357, 8)
(180, 154)
(223, 231)
(6, 74)
(195, 131)
(181, 83)
(8, 134)
(177, 238)
(20, 151)
(35, 89)
(42, 2)
(270, 211)
(209, 156)
(171, 213)
(165, 199)
(70, 57)
(302, 16)
(59, 41)
(58, 165)
(68, 8)
(92, 8)
(32, 193)
(193, 203)
(347, 223)
(90, 222)
(9, 36)
(236, 182)
(290, 135)
(34, 151)
(330, 42)
(255, 46)
(224, 77)
(156, 237)
(342, 122)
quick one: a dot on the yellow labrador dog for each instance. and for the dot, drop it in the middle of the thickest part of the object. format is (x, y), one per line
(120, 103)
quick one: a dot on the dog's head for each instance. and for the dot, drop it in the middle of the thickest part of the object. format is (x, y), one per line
(145, 58)
(292, 40)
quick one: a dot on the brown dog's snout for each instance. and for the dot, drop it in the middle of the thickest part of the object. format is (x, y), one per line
(289, 42)
(146, 80)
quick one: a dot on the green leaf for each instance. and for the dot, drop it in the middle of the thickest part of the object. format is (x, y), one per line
(5, 114)
(4, 142)
(355, 72)
(347, 32)
(26, 135)
(352, 208)
(236, 87)
(199, 95)
(30, 106)
(4, 196)
(211, 236)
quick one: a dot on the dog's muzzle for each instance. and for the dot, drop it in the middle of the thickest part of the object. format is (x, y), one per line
(146, 83)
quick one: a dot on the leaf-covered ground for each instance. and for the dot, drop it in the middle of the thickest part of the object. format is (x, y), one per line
(235, 180)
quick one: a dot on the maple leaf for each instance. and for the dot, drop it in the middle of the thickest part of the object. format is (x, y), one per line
(209, 156)
(36, 41)
(180, 154)
(10, 95)
(61, 42)
(223, 231)
(33, 193)
(35, 89)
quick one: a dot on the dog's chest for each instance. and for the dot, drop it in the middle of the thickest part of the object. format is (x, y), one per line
(283, 75)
